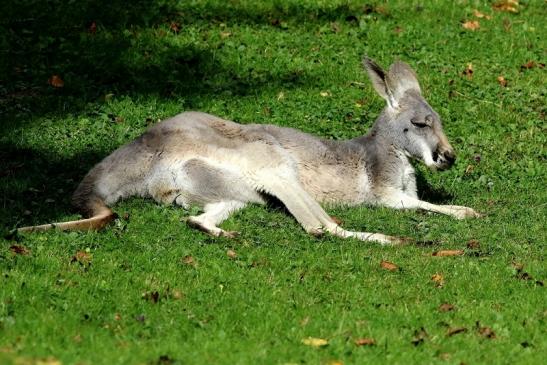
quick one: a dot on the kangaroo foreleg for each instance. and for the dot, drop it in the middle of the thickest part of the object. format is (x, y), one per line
(310, 214)
(403, 201)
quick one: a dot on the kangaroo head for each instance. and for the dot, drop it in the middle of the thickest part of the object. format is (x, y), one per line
(408, 121)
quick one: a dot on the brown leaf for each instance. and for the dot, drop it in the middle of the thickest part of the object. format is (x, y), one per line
(19, 250)
(444, 253)
(388, 266)
(446, 307)
(528, 65)
(469, 169)
(315, 342)
(93, 28)
(468, 72)
(398, 30)
(486, 332)
(502, 81)
(523, 275)
(365, 342)
(231, 254)
(174, 27)
(82, 257)
(473, 244)
(455, 330)
(419, 336)
(153, 296)
(47, 361)
(471, 25)
(438, 279)
(56, 81)
(337, 220)
(117, 317)
(189, 260)
(177, 294)
(478, 14)
(510, 6)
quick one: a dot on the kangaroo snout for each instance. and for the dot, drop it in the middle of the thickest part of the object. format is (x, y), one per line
(444, 158)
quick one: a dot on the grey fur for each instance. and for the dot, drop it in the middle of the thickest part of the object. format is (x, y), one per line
(199, 159)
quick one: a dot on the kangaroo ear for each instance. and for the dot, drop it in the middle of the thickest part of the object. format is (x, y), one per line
(400, 79)
(380, 82)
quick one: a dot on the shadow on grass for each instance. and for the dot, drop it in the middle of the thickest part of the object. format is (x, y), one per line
(99, 47)
(35, 189)
(431, 194)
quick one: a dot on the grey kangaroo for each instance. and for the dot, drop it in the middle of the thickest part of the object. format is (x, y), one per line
(200, 159)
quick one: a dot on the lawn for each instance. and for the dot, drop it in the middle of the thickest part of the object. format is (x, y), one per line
(79, 79)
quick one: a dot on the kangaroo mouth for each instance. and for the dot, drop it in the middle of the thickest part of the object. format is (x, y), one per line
(442, 160)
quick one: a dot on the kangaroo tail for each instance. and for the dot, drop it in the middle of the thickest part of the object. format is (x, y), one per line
(99, 216)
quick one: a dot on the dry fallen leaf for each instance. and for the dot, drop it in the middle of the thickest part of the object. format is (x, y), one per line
(468, 72)
(528, 65)
(438, 279)
(93, 28)
(473, 244)
(231, 254)
(446, 307)
(523, 275)
(225, 34)
(315, 342)
(153, 296)
(117, 317)
(455, 330)
(487, 332)
(175, 27)
(478, 14)
(419, 336)
(82, 257)
(48, 361)
(365, 342)
(388, 266)
(281, 95)
(19, 250)
(444, 253)
(510, 6)
(177, 294)
(56, 81)
(325, 93)
(337, 220)
(502, 81)
(469, 169)
(189, 260)
(471, 25)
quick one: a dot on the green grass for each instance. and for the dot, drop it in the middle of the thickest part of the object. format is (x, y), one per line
(133, 299)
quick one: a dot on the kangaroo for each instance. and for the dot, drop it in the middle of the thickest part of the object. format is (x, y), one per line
(199, 159)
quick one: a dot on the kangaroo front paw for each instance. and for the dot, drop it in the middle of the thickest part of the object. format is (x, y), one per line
(464, 212)
(229, 234)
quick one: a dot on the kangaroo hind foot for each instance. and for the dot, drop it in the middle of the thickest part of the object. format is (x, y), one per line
(213, 214)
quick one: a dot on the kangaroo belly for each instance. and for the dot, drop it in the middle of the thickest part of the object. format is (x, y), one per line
(197, 181)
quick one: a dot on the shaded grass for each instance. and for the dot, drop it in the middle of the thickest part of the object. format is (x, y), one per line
(268, 62)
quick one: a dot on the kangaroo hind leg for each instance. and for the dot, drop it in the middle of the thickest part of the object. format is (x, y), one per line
(213, 215)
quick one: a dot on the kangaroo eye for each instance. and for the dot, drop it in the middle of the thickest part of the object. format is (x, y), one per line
(418, 124)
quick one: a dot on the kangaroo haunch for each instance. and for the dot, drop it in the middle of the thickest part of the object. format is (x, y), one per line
(199, 159)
